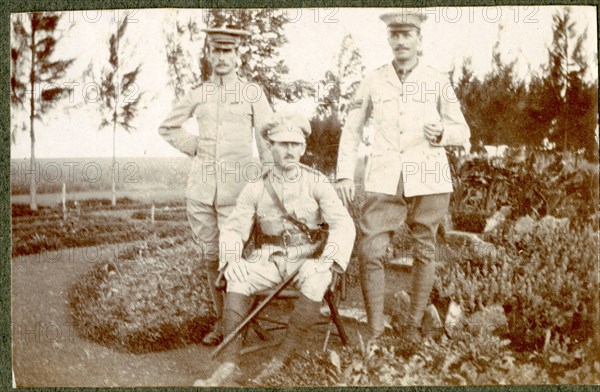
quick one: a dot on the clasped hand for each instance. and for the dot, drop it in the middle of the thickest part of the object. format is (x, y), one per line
(433, 132)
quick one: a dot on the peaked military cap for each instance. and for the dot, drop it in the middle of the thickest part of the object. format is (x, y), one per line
(286, 126)
(225, 37)
(403, 20)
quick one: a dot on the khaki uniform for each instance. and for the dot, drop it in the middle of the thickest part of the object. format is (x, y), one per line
(224, 156)
(312, 199)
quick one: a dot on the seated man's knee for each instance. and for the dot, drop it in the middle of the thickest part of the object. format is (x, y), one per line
(315, 285)
(243, 288)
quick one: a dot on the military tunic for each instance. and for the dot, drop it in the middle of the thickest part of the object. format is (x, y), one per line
(309, 196)
(223, 155)
(399, 112)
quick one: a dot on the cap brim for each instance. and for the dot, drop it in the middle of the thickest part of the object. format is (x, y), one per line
(403, 27)
(235, 32)
(285, 136)
(224, 45)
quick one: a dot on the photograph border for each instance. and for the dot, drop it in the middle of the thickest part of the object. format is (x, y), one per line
(12, 6)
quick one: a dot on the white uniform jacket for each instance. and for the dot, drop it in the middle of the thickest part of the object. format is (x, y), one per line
(400, 150)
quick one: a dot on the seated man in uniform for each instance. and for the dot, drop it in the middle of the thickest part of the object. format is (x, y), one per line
(310, 199)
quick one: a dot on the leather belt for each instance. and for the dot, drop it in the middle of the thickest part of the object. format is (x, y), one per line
(286, 239)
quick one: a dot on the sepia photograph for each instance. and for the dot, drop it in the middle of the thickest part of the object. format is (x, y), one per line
(304, 197)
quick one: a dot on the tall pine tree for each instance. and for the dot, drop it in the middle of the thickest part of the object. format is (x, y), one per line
(342, 82)
(572, 100)
(35, 74)
(182, 46)
(336, 92)
(119, 94)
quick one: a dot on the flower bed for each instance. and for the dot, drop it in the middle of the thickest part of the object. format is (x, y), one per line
(40, 234)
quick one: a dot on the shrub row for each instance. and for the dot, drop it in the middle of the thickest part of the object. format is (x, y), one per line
(466, 359)
(153, 299)
(23, 211)
(85, 231)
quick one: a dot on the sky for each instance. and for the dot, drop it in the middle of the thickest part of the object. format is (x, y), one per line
(450, 35)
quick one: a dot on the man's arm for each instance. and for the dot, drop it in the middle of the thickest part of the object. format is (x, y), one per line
(236, 230)
(172, 131)
(455, 129)
(262, 113)
(341, 226)
(358, 114)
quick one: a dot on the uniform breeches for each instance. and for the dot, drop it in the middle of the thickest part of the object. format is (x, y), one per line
(382, 215)
(265, 272)
(205, 221)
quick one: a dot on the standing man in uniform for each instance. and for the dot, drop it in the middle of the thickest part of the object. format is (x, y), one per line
(227, 110)
(307, 195)
(415, 113)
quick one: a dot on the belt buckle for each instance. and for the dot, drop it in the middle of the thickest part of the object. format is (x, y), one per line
(287, 238)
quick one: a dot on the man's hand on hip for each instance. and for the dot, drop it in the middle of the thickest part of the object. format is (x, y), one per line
(345, 190)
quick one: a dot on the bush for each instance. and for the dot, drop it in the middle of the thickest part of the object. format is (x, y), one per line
(545, 280)
(543, 183)
(161, 215)
(154, 298)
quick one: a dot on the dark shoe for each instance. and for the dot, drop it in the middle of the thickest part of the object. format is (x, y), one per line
(215, 336)
(272, 368)
(225, 375)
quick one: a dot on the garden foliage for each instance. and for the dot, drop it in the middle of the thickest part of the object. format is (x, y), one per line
(153, 298)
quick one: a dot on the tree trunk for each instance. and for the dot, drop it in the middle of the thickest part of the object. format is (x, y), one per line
(114, 159)
(32, 163)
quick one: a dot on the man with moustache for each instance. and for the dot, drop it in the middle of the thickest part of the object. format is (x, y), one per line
(227, 110)
(415, 113)
(287, 244)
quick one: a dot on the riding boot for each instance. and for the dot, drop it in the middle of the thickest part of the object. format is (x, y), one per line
(215, 335)
(236, 308)
(423, 276)
(373, 289)
(304, 316)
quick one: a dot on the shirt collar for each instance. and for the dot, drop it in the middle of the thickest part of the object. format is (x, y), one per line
(403, 73)
(291, 175)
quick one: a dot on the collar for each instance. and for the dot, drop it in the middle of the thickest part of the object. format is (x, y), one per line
(289, 176)
(403, 73)
(231, 78)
